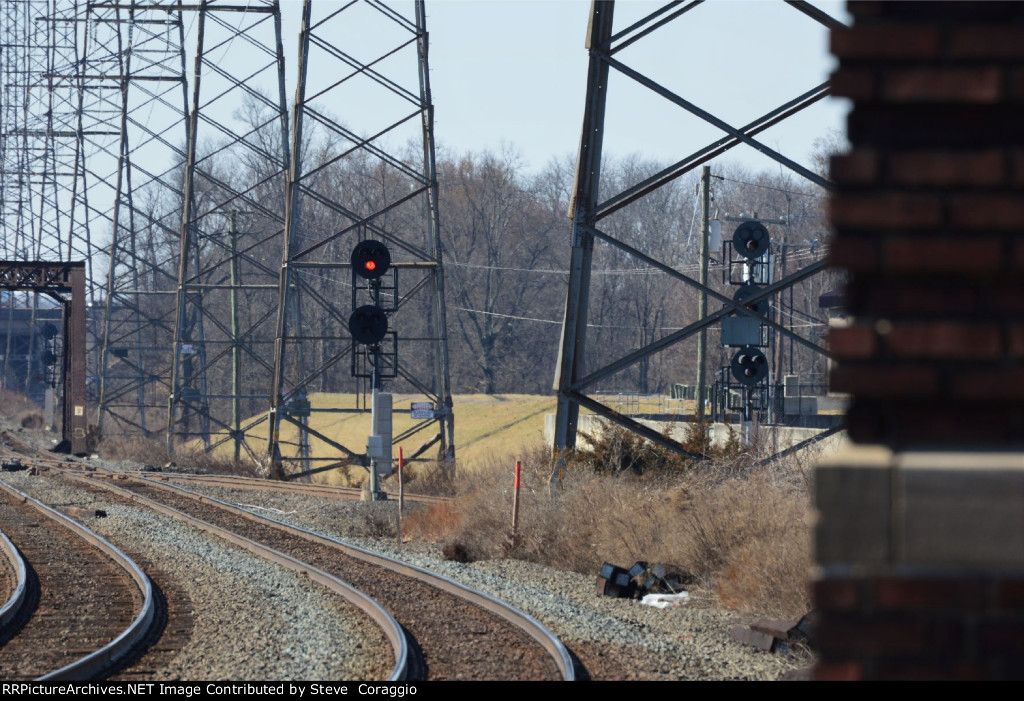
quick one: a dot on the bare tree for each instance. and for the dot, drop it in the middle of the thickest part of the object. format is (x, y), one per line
(500, 241)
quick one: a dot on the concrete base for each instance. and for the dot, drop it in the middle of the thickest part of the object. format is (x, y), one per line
(921, 566)
(777, 437)
(812, 406)
(920, 509)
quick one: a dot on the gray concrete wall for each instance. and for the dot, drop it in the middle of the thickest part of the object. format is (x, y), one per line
(779, 438)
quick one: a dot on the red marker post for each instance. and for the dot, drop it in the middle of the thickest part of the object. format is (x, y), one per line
(515, 500)
(401, 481)
(401, 494)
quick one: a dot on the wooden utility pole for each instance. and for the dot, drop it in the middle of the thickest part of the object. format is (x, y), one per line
(702, 338)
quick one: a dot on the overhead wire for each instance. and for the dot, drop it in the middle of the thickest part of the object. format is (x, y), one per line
(771, 187)
(553, 321)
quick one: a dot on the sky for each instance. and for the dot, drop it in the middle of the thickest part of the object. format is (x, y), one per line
(512, 74)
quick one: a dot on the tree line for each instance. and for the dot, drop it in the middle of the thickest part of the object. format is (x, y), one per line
(506, 239)
(507, 242)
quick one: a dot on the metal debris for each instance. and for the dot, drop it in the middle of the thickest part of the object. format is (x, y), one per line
(657, 579)
(640, 579)
(615, 582)
(12, 465)
(748, 636)
(773, 635)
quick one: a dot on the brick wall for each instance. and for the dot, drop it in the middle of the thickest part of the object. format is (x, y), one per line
(929, 222)
(929, 215)
(920, 627)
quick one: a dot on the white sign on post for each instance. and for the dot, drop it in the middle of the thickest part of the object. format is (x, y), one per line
(422, 410)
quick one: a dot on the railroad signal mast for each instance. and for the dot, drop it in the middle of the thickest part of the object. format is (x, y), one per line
(580, 371)
(323, 224)
(749, 267)
(368, 324)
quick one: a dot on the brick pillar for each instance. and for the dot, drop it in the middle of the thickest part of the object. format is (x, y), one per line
(921, 527)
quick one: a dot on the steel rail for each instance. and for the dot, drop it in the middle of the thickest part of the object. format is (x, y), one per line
(534, 628)
(387, 623)
(10, 609)
(95, 662)
(230, 481)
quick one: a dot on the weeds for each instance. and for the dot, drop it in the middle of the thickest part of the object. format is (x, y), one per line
(20, 410)
(743, 535)
(616, 450)
(431, 478)
(739, 532)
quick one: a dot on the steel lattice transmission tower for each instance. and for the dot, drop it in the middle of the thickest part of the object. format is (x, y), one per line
(592, 203)
(362, 168)
(231, 232)
(132, 126)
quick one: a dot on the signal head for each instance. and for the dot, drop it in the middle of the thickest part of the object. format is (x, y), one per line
(371, 259)
(748, 289)
(749, 366)
(751, 239)
(368, 325)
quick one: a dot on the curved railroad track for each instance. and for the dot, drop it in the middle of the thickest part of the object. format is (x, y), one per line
(173, 608)
(455, 632)
(177, 612)
(84, 605)
(15, 580)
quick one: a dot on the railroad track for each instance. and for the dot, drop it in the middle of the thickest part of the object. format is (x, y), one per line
(174, 610)
(20, 449)
(79, 604)
(316, 490)
(15, 581)
(448, 630)
(454, 632)
(177, 615)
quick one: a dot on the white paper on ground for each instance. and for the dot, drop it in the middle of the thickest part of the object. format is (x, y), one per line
(664, 601)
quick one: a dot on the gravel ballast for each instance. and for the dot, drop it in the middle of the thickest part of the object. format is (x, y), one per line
(309, 634)
(614, 638)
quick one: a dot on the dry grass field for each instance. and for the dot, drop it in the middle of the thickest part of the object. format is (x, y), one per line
(487, 427)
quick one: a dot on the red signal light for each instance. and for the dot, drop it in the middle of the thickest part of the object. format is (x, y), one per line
(370, 259)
